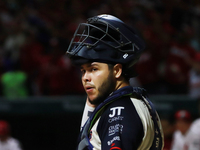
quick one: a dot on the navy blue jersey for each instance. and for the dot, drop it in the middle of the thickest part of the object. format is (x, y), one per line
(120, 124)
(126, 120)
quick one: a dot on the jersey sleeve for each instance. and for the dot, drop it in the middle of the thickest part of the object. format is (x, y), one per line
(120, 126)
(192, 139)
(14, 144)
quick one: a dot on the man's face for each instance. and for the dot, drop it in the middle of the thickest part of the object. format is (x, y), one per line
(98, 81)
(182, 125)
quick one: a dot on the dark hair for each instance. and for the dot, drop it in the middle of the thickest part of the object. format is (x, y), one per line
(125, 75)
(110, 66)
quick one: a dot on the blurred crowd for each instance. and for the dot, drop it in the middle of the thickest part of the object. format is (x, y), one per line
(35, 35)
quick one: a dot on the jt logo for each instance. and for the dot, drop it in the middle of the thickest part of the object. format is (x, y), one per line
(114, 110)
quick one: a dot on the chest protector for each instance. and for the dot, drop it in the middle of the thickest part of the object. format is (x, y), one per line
(139, 93)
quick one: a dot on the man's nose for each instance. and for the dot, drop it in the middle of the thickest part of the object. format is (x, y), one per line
(86, 77)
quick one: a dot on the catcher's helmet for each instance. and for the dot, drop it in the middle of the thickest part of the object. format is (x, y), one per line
(105, 38)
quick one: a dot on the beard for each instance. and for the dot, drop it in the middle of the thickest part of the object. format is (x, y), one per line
(106, 88)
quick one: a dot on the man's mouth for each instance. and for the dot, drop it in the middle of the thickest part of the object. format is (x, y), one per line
(89, 88)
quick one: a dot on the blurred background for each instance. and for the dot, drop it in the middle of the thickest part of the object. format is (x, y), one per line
(41, 95)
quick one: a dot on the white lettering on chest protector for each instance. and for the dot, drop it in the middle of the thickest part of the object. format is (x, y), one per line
(114, 110)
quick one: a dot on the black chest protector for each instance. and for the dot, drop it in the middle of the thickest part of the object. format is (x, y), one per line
(139, 93)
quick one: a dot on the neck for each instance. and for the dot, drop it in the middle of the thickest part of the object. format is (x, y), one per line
(121, 84)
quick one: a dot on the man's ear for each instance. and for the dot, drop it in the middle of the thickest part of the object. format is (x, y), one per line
(117, 70)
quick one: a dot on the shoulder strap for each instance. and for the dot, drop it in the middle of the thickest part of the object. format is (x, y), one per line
(158, 135)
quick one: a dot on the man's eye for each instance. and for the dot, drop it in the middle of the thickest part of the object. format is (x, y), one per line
(94, 69)
(82, 71)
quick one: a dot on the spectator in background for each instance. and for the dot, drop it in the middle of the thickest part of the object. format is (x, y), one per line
(192, 140)
(6, 141)
(32, 55)
(14, 40)
(177, 70)
(183, 120)
(194, 76)
(157, 34)
(148, 72)
(58, 77)
(14, 82)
